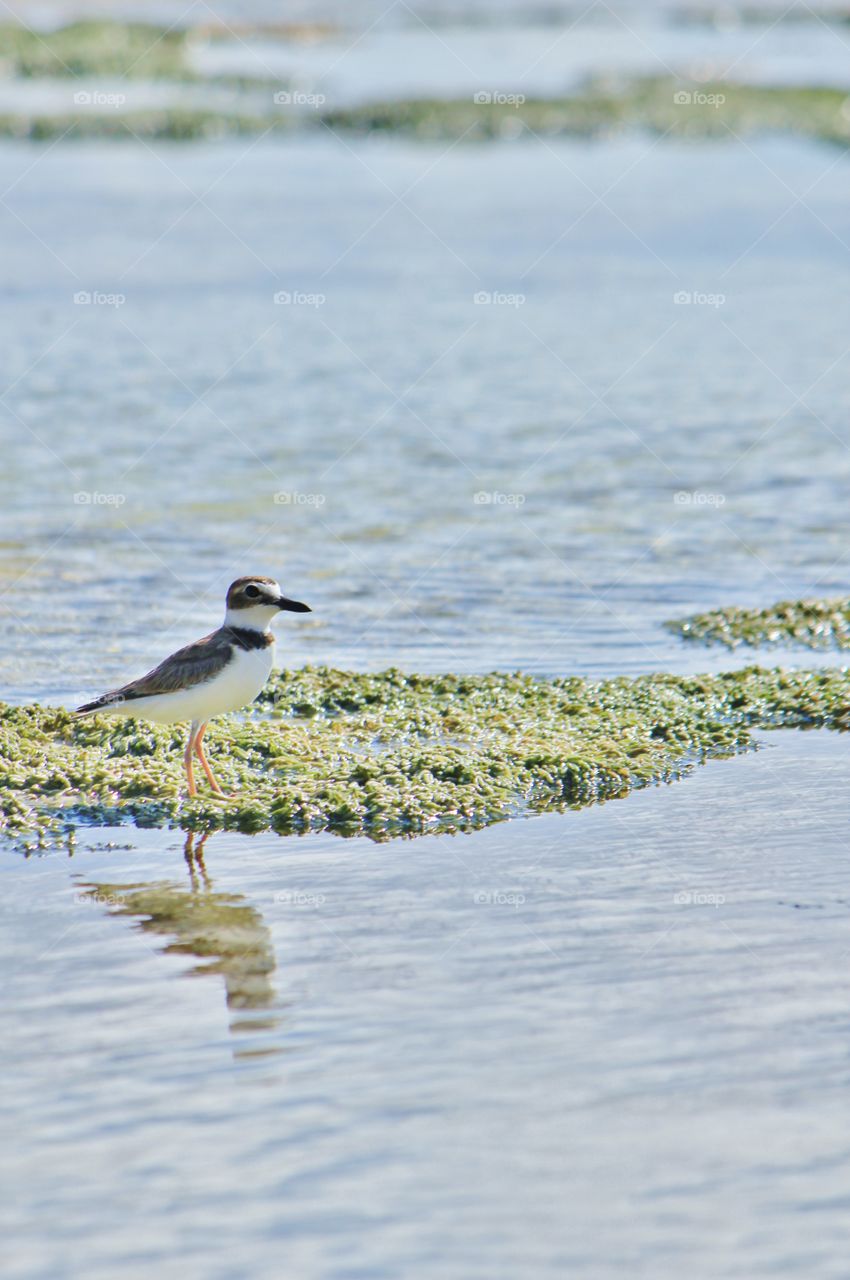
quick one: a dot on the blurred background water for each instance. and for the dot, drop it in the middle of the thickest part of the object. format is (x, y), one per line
(638, 457)
(516, 404)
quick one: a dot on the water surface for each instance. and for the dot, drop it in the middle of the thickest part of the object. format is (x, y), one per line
(450, 483)
(571, 1044)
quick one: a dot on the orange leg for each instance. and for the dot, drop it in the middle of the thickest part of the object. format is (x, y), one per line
(205, 764)
(187, 758)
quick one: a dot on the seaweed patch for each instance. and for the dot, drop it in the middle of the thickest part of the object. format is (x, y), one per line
(397, 754)
(815, 624)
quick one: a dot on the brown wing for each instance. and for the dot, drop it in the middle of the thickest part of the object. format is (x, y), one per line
(189, 666)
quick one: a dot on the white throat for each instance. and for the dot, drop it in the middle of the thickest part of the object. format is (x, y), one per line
(258, 617)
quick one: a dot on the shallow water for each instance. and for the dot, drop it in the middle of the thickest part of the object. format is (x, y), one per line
(638, 457)
(571, 1044)
(421, 60)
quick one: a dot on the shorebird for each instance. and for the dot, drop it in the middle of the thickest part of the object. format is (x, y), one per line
(221, 672)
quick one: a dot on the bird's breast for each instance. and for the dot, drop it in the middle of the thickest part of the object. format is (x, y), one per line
(243, 677)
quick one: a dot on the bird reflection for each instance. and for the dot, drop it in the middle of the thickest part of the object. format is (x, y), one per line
(220, 929)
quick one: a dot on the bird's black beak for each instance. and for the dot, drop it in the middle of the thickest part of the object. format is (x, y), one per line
(293, 606)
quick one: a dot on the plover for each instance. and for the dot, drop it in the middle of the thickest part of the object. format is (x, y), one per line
(222, 672)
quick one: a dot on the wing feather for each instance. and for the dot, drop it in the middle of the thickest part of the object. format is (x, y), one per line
(189, 666)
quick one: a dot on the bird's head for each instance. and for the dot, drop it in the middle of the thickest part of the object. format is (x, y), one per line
(253, 602)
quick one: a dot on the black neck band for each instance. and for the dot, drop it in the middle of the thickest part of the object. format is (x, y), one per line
(248, 638)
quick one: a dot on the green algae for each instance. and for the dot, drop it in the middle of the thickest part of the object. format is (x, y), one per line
(132, 50)
(139, 52)
(129, 50)
(175, 124)
(649, 106)
(814, 624)
(659, 105)
(395, 754)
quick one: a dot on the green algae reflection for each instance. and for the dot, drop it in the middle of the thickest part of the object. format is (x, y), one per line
(396, 754)
(222, 932)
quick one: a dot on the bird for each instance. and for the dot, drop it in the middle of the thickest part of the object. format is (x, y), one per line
(220, 672)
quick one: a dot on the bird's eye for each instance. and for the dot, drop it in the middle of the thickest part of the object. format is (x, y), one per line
(252, 592)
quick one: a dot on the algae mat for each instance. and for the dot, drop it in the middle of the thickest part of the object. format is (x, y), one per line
(719, 111)
(816, 624)
(393, 753)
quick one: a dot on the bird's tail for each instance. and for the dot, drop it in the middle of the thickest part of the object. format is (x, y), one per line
(106, 702)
